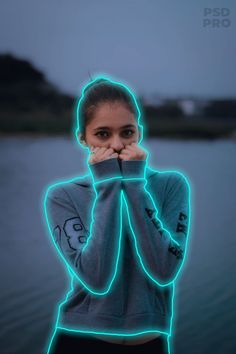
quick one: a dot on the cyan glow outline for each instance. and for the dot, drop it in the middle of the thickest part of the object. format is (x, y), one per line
(71, 271)
(78, 104)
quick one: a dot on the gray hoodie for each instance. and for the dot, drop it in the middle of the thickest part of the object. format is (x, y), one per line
(122, 233)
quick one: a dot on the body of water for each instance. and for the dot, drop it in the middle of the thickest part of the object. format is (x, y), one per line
(33, 278)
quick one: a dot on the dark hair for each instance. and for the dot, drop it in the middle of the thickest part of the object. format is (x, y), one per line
(100, 91)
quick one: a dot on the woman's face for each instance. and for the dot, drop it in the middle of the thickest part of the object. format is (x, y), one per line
(113, 126)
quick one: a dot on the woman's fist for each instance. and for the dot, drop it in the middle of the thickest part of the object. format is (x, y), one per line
(133, 151)
(101, 153)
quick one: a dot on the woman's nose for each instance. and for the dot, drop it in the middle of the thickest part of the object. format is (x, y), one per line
(117, 145)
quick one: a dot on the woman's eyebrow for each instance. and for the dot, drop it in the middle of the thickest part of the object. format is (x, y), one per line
(124, 126)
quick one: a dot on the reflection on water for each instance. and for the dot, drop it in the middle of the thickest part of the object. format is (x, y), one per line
(34, 279)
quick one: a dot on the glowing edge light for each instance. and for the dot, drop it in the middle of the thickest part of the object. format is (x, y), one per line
(70, 270)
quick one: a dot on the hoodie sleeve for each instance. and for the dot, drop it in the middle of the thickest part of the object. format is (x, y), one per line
(160, 243)
(91, 257)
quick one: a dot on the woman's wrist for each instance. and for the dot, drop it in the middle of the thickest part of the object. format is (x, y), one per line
(133, 169)
(105, 170)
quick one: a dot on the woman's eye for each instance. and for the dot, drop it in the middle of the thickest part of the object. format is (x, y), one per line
(101, 133)
(127, 131)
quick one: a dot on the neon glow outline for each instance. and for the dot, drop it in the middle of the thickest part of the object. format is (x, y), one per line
(71, 272)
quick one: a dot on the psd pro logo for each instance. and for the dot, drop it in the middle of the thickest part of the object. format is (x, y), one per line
(216, 17)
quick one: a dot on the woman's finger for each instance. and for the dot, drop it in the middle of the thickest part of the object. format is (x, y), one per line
(130, 147)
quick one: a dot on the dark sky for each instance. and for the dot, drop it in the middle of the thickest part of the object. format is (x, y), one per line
(156, 47)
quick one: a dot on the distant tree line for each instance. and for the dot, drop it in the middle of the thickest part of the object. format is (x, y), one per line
(29, 103)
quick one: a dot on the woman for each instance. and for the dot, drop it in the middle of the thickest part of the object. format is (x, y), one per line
(122, 258)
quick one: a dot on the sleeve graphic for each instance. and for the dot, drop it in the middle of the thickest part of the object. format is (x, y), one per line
(91, 255)
(160, 243)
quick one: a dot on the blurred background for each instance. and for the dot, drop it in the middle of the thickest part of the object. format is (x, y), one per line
(179, 60)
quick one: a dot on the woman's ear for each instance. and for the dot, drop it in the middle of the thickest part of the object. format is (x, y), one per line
(139, 134)
(81, 139)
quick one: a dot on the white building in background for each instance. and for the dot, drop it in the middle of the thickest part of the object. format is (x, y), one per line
(188, 107)
(192, 106)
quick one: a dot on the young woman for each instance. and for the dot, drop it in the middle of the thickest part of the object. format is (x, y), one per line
(122, 258)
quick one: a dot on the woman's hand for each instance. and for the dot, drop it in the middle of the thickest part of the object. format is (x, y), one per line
(101, 153)
(133, 152)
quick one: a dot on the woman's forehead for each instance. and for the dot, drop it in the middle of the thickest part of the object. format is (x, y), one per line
(113, 117)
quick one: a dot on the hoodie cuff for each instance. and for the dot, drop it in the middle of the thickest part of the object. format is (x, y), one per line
(133, 168)
(105, 169)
